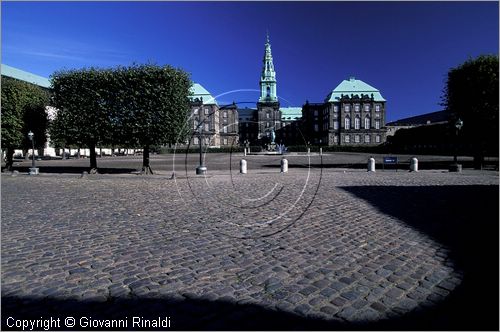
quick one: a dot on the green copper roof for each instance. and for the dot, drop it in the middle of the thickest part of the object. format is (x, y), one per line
(353, 86)
(25, 76)
(291, 113)
(198, 91)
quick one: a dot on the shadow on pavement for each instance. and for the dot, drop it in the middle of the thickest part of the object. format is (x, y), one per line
(405, 166)
(197, 314)
(76, 170)
(465, 219)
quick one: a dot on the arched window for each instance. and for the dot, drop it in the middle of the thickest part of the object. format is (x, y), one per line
(367, 123)
(268, 91)
(357, 123)
(347, 123)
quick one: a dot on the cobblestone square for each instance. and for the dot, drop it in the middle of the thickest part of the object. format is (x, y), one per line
(310, 249)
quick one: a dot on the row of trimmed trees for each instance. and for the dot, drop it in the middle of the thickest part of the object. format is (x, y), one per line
(134, 107)
(23, 110)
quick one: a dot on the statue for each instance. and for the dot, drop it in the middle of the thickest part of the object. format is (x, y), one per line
(273, 136)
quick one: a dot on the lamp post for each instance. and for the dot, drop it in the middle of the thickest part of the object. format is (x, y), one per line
(33, 169)
(201, 169)
(456, 167)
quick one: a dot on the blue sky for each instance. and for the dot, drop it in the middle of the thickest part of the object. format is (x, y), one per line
(404, 49)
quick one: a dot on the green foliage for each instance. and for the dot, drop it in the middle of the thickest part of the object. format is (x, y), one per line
(23, 109)
(150, 104)
(471, 94)
(140, 106)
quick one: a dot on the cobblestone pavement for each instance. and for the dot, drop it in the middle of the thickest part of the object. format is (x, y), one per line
(308, 249)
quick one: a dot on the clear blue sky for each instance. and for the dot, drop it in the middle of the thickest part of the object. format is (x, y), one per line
(404, 49)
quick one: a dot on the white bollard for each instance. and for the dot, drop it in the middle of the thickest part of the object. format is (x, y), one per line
(308, 150)
(284, 165)
(320, 151)
(243, 166)
(414, 165)
(245, 151)
(371, 165)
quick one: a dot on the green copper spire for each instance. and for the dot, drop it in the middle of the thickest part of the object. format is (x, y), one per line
(268, 76)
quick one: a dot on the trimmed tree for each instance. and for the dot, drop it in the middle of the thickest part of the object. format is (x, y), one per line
(23, 110)
(151, 107)
(471, 94)
(82, 101)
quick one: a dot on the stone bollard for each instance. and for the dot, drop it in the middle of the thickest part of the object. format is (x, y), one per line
(320, 151)
(284, 165)
(84, 175)
(243, 166)
(245, 151)
(15, 173)
(371, 165)
(308, 150)
(414, 165)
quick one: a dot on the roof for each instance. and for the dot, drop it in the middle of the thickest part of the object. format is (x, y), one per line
(246, 113)
(25, 76)
(291, 113)
(198, 91)
(353, 86)
(423, 119)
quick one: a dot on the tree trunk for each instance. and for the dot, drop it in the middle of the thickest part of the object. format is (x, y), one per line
(9, 162)
(78, 154)
(100, 152)
(93, 159)
(146, 169)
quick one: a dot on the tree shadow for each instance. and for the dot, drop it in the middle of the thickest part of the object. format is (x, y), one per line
(465, 219)
(76, 169)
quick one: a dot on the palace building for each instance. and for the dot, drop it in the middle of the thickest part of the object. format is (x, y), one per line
(352, 114)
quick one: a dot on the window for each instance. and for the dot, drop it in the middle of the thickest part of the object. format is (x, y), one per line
(268, 115)
(246, 124)
(268, 91)
(356, 108)
(347, 108)
(335, 125)
(267, 124)
(367, 138)
(347, 139)
(367, 108)
(347, 123)
(377, 124)
(335, 139)
(357, 123)
(207, 140)
(224, 115)
(315, 112)
(377, 108)
(224, 121)
(195, 111)
(367, 123)
(224, 141)
(356, 138)
(195, 141)
(377, 139)
(316, 128)
(195, 124)
(335, 115)
(206, 111)
(224, 129)
(335, 108)
(377, 115)
(207, 127)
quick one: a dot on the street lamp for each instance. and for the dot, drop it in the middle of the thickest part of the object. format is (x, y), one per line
(456, 167)
(201, 169)
(33, 169)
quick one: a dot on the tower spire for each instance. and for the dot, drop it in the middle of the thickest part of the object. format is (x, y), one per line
(268, 76)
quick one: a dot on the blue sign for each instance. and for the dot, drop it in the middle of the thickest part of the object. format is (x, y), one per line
(390, 160)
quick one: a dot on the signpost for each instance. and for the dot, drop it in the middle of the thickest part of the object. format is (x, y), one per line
(390, 161)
